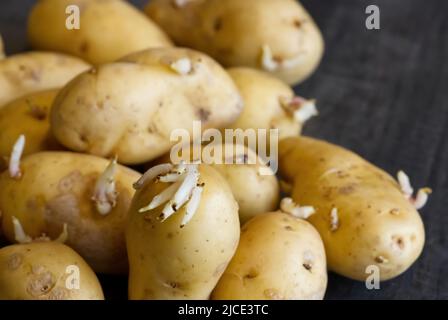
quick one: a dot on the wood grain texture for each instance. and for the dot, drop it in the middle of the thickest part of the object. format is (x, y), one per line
(383, 94)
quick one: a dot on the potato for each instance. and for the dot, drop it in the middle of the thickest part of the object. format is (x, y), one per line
(143, 98)
(28, 115)
(2, 50)
(278, 257)
(361, 213)
(45, 271)
(269, 103)
(62, 187)
(253, 184)
(178, 258)
(25, 73)
(108, 29)
(278, 36)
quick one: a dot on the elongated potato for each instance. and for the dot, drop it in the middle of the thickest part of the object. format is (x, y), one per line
(278, 36)
(46, 271)
(168, 261)
(25, 73)
(269, 103)
(62, 187)
(361, 213)
(28, 115)
(144, 99)
(108, 29)
(278, 257)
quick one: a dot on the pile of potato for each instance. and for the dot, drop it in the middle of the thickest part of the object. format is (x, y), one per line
(81, 118)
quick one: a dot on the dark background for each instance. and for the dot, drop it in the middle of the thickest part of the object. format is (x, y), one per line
(382, 93)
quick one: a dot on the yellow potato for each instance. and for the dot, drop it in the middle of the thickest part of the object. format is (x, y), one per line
(59, 187)
(25, 73)
(144, 99)
(278, 36)
(278, 257)
(361, 213)
(46, 271)
(167, 261)
(269, 103)
(28, 115)
(108, 29)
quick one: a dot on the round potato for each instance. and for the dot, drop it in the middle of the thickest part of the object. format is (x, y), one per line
(25, 73)
(144, 99)
(108, 29)
(46, 271)
(244, 168)
(363, 216)
(278, 36)
(28, 115)
(180, 251)
(82, 191)
(269, 103)
(278, 257)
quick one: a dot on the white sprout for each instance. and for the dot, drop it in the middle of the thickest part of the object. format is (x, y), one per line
(19, 234)
(183, 193)
(63, 236)
(181, 3)
(14, 160)
(302, 109)
(288, 205)
(420, 200)
(269, 63)
(192, 205)
(105, 194)
(162, 197)
(153, 173)
(334, 219)
(184, 190)
(182, 66)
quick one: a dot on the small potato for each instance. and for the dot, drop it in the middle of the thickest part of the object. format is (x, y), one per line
(108, 29)
(181, 256)
(278, 257)
(28, 115)
(269, 103)
(144, 99)
(54, 188)
(46, 271)
(29, 72)
(278, 36)
(363, 216)
(253, 184)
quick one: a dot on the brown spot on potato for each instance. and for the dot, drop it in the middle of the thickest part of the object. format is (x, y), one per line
(253, 273)
(289, 228)
(40, 283)
(347, 189)
(217, 25)
(394, 211)
(307, 266)
(381, 259)
(203, 114)
(67, 183)
(169, 235)
(398, 242)
(84, 47)
(15, 261)
(36, 111)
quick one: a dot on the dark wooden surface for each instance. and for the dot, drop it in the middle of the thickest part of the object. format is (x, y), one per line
(383, 94)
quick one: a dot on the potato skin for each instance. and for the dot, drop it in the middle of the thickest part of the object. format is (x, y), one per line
(262, 93)
(56, 188)
(37, 271)
(29, 72)
(28, 115)
(109, 29)
(234, 32)
(116, 96)
(377, 224)
(278, 257)
(169, 262)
